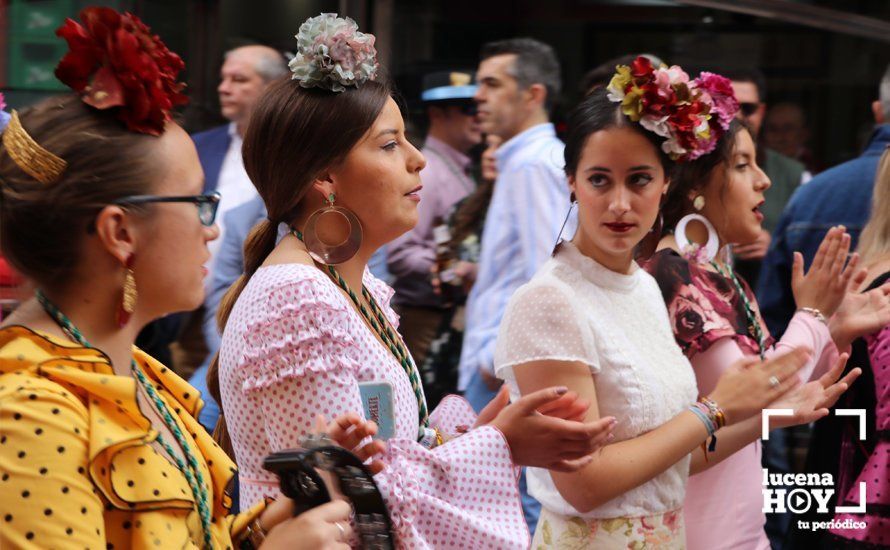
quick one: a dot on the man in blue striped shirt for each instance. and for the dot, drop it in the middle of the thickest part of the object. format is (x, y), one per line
(518, 82)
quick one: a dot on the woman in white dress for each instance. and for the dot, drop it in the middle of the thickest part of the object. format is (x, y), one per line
(592, 320)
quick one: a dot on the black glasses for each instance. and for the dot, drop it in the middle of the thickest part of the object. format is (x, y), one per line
(748, 109)
(207, 204)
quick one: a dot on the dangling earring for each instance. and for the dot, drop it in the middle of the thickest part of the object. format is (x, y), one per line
(695, 252)
(128, 295)
(332, 245)
(573, 201)
(698, 203)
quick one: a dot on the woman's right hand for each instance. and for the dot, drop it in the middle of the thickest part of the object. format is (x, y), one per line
(546, 441)
(324, 527)
(745, 389)
(829, 278)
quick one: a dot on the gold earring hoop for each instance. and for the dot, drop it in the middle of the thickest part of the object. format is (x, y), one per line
(333, 234)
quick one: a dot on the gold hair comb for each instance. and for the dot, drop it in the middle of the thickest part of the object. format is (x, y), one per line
(33, 159)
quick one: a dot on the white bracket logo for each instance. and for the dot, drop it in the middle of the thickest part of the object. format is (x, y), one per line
(767, 413)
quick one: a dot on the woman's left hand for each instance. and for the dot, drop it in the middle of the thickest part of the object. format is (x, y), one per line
(830, 276)
(811, 401)
(860, 313)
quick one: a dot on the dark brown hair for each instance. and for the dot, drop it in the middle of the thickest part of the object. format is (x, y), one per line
(596, 113)
(696, 174)
(41, 225)
(294, 135)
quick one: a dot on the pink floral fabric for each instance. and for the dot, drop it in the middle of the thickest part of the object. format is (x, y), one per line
(655, 532)
(295, 347)
(703, 306)
(723, 507)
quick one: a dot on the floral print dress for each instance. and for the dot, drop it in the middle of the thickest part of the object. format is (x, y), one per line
(723, 503)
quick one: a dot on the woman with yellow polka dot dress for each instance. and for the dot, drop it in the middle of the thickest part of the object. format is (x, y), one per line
(101, 209)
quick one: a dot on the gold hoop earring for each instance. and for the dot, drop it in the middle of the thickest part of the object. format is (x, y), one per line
(333, 234)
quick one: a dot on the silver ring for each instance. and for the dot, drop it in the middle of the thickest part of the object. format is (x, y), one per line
(773, 382)
(342, 531)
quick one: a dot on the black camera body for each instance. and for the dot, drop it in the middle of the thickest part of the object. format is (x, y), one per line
(297, 470)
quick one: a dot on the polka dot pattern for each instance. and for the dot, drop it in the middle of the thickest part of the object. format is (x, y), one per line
(295, 347)
(876, 471)
(89, 475)
(576, 310)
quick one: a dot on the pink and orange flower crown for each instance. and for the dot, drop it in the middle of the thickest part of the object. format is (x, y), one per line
(691, 115)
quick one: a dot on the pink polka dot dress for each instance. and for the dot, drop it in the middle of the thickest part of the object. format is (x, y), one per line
(875, 473)
(295, 347)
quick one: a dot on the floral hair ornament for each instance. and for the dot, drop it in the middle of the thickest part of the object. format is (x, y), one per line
(114, 61)
(333, 54)
(691, 115)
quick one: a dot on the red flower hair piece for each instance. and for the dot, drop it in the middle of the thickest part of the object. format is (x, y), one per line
(114, 61)
(691, 115)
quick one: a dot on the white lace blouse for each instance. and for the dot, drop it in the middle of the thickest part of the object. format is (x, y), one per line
(574, 309)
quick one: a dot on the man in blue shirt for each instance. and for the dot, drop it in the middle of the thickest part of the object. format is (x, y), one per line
(518, 82)
(839, 196)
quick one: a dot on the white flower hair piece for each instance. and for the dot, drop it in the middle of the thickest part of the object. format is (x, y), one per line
(333, 54)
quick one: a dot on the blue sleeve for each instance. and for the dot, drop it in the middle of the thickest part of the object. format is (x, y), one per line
(774, 295)
(227, 267)
(377, 265)
(541, 203)
(210, 413)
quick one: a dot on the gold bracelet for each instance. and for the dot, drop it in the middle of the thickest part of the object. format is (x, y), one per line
(815, 313)
(255, 534)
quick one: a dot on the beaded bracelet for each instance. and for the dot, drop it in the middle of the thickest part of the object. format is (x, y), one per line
(713, 417)
(714, 411)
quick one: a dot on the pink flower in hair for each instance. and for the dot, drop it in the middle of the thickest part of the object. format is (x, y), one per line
(719, 93)
(333, 54)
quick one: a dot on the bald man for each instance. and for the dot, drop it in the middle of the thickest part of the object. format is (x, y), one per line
(245, 74)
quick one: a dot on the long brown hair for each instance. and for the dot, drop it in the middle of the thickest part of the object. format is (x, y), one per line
(874, 241)
(294, 135)
(42, 224)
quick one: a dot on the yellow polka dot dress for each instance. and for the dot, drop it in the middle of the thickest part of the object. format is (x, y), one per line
(77, 469)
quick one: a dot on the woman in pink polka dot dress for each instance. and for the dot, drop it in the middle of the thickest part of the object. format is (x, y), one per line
(329, 156)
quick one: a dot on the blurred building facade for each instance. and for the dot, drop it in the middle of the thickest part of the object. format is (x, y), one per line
(825, 55)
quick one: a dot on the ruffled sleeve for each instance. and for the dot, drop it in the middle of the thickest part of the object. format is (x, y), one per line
(299, 362)
(542, 324)
(301, 331)
(463, 494)
(703, 307)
